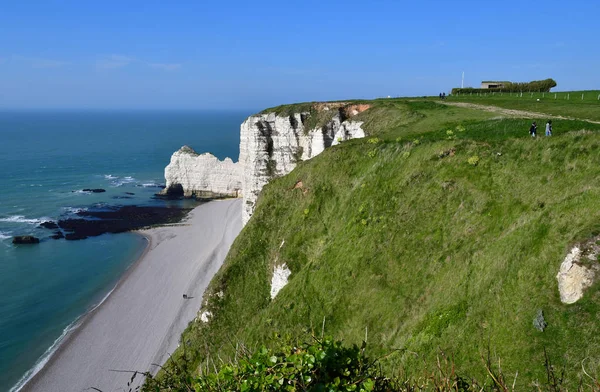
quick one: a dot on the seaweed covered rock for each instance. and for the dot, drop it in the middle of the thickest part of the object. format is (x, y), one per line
(25, 240)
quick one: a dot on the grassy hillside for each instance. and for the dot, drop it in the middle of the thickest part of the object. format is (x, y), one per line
(552, 103)
(442, 231)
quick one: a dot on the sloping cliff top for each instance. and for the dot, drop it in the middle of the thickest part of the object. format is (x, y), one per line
(443, 230)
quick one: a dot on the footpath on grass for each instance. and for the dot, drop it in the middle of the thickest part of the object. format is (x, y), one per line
(513, 112)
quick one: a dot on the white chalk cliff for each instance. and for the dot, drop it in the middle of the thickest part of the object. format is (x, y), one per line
(270, 146)
(202, 175)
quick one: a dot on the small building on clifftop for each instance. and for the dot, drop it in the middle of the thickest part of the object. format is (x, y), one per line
(493, 84)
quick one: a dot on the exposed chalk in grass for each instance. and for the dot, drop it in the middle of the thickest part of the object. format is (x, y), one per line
(279, 279)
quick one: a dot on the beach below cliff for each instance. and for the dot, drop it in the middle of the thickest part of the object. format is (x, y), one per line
(141, 321)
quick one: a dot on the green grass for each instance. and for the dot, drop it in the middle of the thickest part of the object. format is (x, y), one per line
(398, 237)
(314, 118)
(588, 108)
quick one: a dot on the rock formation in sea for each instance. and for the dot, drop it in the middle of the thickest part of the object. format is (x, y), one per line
(202, 176)
(25, 240)
(271, 145)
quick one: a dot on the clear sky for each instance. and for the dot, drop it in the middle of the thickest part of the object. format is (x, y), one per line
(254, 54)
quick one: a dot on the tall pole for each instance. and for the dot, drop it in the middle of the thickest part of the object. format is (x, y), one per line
(462, 83)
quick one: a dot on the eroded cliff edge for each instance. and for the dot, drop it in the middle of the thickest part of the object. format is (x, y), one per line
(271, 144)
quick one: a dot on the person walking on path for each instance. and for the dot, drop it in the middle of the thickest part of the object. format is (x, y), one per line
(549, 128)
(533, 129)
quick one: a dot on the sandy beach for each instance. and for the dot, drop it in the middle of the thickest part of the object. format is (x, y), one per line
(141, 321)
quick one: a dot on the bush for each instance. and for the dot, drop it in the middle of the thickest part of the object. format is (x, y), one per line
(474, 160)
(322, 365)
(534, 86)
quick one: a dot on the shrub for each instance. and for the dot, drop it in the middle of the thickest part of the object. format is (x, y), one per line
(322, 365)
(533, 86)
(473, 161)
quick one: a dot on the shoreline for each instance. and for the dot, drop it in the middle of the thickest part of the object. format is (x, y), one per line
(123, 313)
(71, 330)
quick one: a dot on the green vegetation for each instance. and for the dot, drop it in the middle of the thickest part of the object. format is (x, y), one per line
(535, 86)
(327, 365)
(442, 231)
(567, 104)
(321, 365)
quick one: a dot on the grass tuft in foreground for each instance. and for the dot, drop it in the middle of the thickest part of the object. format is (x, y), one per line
(327, 365)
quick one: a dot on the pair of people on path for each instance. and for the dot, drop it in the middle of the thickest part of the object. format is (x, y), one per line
(533, 129)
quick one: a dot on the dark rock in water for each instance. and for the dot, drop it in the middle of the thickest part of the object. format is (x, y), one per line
(57, 235)
(117, 220)
(175, 191)
(94, 190)
(162, 196)
(130, 193)
(49, 225)
(75, 237)
(25, 239)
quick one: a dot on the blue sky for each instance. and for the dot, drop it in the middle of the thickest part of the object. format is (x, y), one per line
(254, 54)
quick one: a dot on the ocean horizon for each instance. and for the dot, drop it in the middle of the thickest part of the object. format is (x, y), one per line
(49, 157)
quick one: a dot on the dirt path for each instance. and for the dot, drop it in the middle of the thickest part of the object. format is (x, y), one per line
(513, 112)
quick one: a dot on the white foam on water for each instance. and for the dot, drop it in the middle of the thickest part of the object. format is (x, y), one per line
(151, 185)
(110, 177)
(4, 235)
(73, 210)
(123, 181)
(22, 219)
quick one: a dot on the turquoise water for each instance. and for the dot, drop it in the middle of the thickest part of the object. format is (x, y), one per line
(45, 158)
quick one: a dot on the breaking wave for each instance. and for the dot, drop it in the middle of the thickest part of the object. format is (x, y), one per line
(73, 210)
(151, 185)
(22, 219)
(118, 181)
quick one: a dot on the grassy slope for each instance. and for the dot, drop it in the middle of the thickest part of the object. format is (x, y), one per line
(427, 253)
(589, 108)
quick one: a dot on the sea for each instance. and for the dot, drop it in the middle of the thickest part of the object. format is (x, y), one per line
(46, 159)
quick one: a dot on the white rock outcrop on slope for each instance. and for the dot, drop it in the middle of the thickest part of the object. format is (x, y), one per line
(574, 277)
(280, 278)
(202, 175)
(205, 316)
(272, 145)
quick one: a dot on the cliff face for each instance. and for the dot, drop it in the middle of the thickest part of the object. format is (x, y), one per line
(202, 175)
(270, 146)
